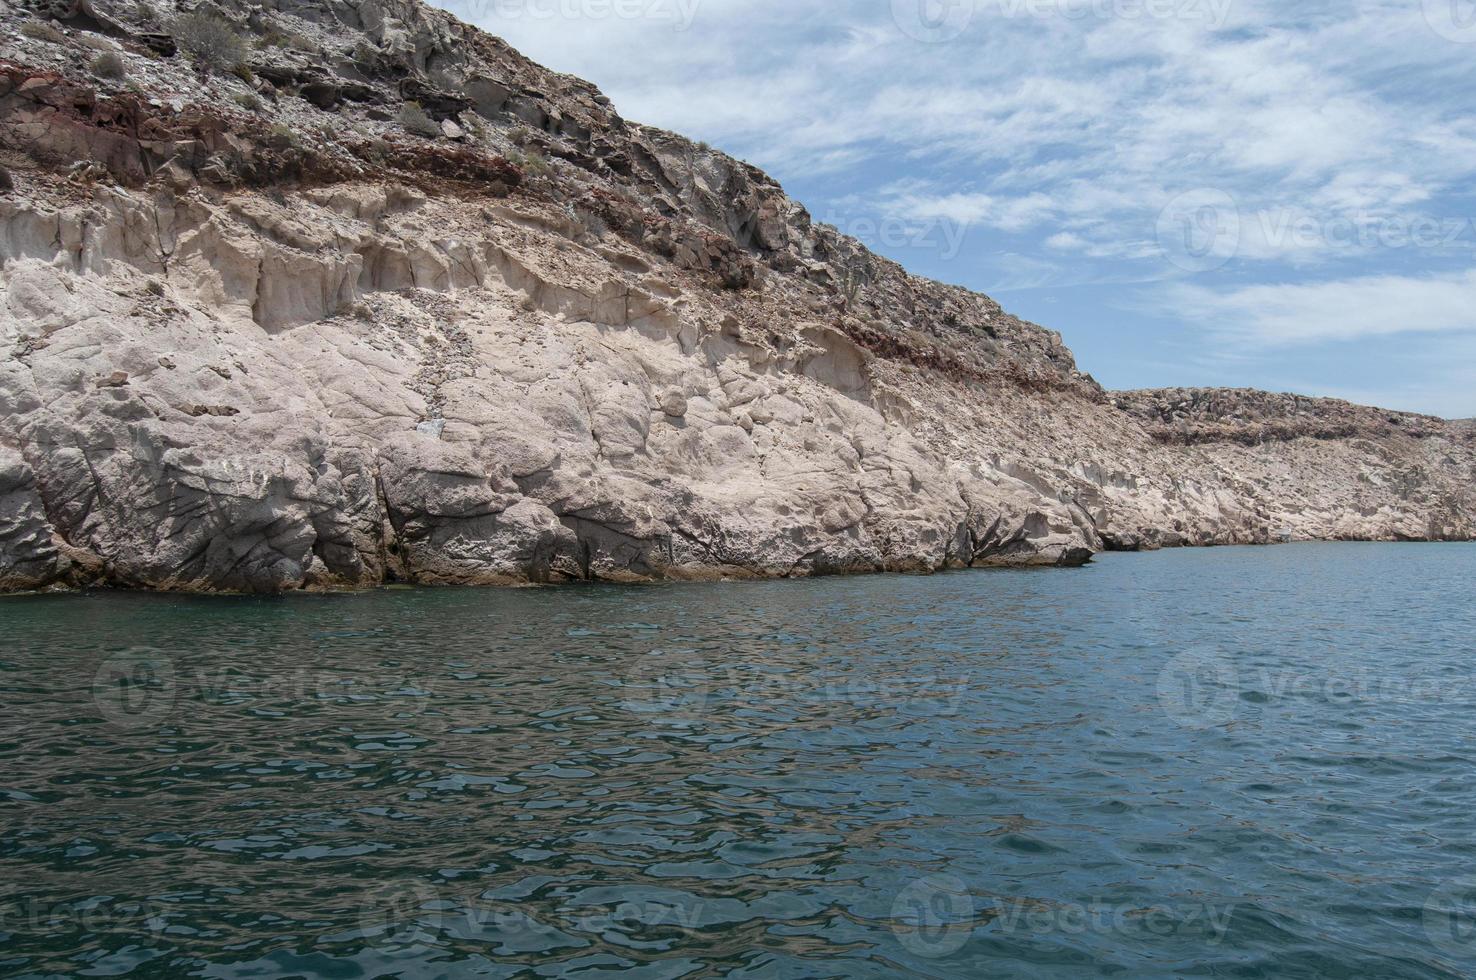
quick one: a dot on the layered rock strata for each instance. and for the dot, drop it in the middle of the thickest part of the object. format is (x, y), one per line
(385, 301)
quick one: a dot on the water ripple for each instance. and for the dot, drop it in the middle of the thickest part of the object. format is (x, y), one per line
(1239, 762)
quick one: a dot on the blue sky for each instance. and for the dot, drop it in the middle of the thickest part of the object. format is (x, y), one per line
(1198, 192)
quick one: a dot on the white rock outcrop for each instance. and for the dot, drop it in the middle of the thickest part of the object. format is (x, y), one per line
(549, 344)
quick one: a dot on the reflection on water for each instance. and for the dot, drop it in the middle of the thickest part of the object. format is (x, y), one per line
(1236, 762)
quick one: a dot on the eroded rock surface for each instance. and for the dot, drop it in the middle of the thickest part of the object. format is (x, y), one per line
(270, 329)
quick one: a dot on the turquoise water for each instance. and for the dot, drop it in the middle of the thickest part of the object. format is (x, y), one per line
(1238, 762)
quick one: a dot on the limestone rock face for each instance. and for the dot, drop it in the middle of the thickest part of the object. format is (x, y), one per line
(29, 557)
(535, 342)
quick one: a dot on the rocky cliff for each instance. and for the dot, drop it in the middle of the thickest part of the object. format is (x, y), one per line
(322, 294)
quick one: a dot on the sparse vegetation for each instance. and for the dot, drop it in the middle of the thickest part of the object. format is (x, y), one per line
(210, 41)
(282, 136)
(109, 64)
(530, 162)
(275, 37)
(479, 128)
(249, 101)
(376, 150)
(854, 277)
(417, 121)
(40, 30)
(304, 44)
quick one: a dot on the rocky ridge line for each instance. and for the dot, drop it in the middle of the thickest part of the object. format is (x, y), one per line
(381, 299)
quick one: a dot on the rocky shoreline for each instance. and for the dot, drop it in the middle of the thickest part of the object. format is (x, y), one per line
(383, 301)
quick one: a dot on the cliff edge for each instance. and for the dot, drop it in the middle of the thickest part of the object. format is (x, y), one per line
(327, 294)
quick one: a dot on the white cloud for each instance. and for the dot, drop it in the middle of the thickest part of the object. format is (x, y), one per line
(1067, 241)
(1307, 313)
(1277, 110)
(1007, 214)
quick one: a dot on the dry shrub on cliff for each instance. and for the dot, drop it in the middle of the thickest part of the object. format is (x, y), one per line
(211, 42)
(417, 121)
(281, 136)
(275, 37)
(109, 64)
(40, 30)
(531, 161)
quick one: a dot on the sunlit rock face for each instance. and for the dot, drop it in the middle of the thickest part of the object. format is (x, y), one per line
(388, 302)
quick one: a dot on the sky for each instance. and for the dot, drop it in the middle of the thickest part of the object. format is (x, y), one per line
(1238, 193)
